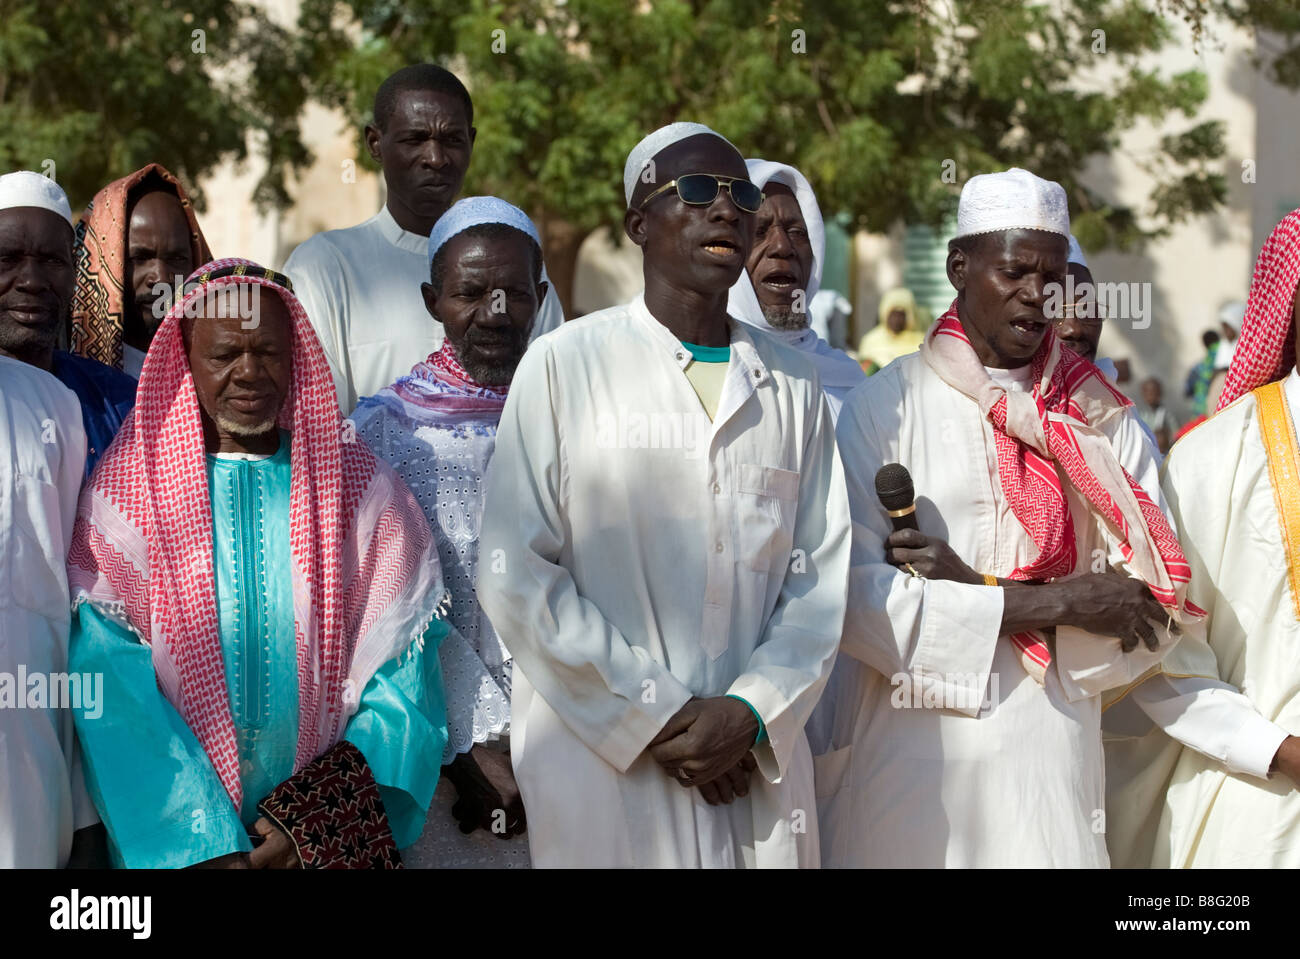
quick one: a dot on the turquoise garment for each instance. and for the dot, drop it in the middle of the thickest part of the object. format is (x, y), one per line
(151, 781)
(708, 354)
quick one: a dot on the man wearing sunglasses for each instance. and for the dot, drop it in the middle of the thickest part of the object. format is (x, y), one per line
(669, 529)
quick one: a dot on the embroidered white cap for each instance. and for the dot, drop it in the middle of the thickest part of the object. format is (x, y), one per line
(1012, 200)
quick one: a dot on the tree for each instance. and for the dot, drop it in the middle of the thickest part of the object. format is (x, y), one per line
(875, 99)
(93, 89)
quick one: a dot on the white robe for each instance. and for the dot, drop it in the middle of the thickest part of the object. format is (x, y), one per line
(635, 555)
(361, 289)
(1179, 806)
(42, 460)
(1012, 774)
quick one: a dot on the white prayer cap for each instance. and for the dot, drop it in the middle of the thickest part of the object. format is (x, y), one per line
(1232, 314)
(26, 188)
(1012, 200)
(475, 211)
(656, 142)
(1076, 253)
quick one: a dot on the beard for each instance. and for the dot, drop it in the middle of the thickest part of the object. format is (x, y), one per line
(490, 372)
(27, 341)
(236, 428)
(785, 318)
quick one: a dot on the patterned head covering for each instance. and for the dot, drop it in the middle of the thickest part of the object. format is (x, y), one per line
(1265, 351)
(102, 261)
(1014, 199)
(366, 579)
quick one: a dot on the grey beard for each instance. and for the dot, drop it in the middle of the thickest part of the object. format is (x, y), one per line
(483, 372)
(785, 318)
(244, 432)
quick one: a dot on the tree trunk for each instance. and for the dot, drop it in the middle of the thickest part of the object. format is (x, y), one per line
(560, 243)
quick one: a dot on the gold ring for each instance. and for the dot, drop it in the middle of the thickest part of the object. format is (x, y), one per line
(910, 569)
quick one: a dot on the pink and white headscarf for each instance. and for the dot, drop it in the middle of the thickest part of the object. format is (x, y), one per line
(366, 579)
(1265, 351)
(1049, 437)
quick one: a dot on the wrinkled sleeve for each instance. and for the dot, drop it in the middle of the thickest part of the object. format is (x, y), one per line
(786, 673)
(935, 633)
(577, 660)
(152, 783)
(401, 728)
(316, 276)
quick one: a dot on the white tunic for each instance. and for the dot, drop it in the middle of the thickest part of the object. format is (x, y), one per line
(42, 460)
(361, 289)
(1214, 807)
(1011, 772)
(634, 555)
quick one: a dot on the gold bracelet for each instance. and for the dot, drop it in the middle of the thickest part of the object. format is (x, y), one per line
(990, 580)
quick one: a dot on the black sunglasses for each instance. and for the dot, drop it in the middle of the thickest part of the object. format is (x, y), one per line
(701, 189)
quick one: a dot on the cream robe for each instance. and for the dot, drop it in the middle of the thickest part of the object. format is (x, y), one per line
(1012, 773)
(1184, 808)
(634, 555)
(42, 460)
(361, 289)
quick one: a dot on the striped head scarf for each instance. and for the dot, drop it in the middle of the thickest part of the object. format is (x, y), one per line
(1265, 351)
(103, 262)
(1049, 435)
(366, 578)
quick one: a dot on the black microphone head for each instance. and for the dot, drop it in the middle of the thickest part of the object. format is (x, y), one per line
(894, 486)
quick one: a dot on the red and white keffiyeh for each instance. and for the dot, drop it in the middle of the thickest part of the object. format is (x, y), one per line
(366, 579)
(1056, 425)
(1265, 351)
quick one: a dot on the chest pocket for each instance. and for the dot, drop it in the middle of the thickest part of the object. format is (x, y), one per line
(767, 501)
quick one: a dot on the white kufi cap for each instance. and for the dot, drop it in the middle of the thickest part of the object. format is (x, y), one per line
(1012, 200)
(26, 188)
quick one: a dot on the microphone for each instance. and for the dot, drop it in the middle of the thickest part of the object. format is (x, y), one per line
(894, 489)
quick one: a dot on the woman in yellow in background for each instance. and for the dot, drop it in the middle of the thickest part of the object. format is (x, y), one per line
(898, 332)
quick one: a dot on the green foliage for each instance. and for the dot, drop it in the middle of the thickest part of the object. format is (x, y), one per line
(878, 97)
(102, 87)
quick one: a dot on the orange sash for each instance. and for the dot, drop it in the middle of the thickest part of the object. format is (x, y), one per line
(1278, 433)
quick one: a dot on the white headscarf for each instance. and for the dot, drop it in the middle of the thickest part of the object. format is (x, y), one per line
(26, 188)
(837, 369)
(655, 143)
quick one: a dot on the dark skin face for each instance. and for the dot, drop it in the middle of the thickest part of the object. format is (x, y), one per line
(781, 259)
(36, 282)
(158, 247)
(1081, 334)
(487, 303)
(425, 150)
(1000, 292)
(692, 254)
(242, 368)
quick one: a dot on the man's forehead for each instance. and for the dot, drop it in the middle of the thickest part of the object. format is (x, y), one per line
(779, 200)
(414, 108)
(30, 221)
(1025, 244)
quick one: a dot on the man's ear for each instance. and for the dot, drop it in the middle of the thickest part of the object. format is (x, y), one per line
(373, 136)
(634, 226)
(430, 298)
(958, 263)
